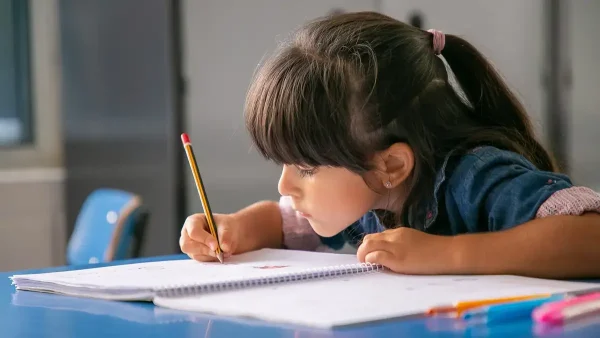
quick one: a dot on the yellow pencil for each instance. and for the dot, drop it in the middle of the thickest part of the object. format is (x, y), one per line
(187, 145)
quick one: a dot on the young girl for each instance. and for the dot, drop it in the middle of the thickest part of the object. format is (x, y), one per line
(408, 146)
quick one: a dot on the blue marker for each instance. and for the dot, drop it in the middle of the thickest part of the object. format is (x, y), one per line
(509, 311)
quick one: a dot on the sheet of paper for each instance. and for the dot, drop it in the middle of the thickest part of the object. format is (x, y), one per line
(358, 299)
(152, 275)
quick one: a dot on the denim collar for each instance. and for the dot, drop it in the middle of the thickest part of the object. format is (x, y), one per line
(425, 214)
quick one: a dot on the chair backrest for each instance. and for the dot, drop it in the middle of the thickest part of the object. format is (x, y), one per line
(110, 226)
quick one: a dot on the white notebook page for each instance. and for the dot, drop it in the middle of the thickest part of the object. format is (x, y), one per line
(262, 263)
(358, 299)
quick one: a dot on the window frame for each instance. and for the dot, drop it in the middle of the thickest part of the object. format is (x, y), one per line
(21, 48)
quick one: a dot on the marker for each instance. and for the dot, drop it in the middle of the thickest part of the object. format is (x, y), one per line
(562, 311)
(509, 311)
(462, 306)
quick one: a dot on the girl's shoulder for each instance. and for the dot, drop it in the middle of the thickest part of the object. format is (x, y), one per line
(491, 189)
(485, 156)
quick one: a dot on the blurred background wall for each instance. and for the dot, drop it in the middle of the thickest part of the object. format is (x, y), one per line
(94, 93)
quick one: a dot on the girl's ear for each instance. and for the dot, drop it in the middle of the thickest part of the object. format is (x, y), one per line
(395, 164)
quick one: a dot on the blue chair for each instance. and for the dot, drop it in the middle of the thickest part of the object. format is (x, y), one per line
(109, 227)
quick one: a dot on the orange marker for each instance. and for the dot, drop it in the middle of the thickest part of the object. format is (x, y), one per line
(187, 145)
(460, 307)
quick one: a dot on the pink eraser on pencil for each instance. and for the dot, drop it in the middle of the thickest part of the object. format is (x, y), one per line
(185, 138)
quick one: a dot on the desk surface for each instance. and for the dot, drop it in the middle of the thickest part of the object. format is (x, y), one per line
(31, 314)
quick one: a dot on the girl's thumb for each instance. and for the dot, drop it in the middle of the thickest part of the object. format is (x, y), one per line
(226, 240)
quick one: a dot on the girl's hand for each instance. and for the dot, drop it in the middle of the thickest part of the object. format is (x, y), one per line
(408, 251)
(255, 227)
(197, 242)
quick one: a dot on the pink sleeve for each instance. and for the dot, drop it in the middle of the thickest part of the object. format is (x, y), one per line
(297, 232)
(570, 201)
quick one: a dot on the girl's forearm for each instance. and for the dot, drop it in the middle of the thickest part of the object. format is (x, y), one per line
(262, 226)
(552, 247)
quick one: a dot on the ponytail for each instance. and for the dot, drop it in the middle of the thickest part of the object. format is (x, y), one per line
(492, 101)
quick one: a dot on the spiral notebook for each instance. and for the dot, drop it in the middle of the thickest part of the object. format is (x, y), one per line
(144, 281)
(322, 290)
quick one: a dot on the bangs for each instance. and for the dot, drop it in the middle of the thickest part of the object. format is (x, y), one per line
(297, 113)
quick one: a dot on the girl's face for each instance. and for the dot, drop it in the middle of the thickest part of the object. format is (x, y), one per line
(329, 198)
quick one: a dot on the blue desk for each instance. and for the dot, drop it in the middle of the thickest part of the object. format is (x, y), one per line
(31, 314)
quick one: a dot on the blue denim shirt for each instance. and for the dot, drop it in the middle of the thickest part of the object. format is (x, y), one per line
(487, 189)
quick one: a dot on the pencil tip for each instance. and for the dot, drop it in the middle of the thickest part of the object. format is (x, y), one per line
(220, 257)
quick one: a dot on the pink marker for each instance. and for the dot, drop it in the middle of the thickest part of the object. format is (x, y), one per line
(559, 312)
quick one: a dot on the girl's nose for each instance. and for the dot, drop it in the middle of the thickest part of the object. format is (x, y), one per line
(287, 182)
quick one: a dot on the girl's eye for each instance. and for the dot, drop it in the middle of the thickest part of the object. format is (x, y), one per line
(305, 172)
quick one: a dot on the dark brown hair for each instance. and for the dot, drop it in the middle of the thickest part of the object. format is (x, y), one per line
(346, 86)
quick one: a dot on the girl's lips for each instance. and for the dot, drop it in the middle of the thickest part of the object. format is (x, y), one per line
(303, 214)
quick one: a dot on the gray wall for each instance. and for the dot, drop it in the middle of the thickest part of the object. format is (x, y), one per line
(583, 28)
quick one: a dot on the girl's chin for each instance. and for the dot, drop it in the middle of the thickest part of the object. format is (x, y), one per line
(323, 230)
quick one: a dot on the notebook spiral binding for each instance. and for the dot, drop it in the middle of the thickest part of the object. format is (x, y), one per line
(309, 274)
